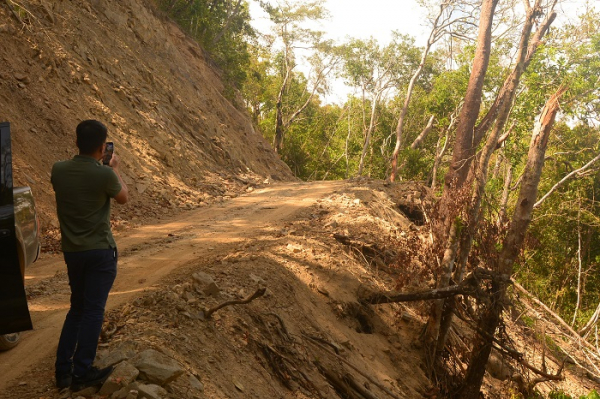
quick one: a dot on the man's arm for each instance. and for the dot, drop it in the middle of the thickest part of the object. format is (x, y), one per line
(123, 195)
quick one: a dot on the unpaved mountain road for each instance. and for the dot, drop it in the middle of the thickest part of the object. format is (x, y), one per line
(148, 254)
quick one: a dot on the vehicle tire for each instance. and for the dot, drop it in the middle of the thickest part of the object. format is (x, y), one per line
(9, 341)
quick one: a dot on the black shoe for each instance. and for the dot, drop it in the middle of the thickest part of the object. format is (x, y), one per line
(63, 380)
(93, 377)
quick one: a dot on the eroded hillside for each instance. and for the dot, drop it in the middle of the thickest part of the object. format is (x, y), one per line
(183, 144)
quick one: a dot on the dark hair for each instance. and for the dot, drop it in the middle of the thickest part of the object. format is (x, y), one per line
(91, 134)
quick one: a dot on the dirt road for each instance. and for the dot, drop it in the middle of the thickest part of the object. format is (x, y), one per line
(148, 254)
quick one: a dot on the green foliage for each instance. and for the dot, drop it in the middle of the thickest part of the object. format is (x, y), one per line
(562, 395)
(222, 27)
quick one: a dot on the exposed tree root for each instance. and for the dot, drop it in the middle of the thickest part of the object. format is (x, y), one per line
(206, 314)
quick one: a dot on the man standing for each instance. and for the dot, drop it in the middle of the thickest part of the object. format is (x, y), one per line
(84, 187)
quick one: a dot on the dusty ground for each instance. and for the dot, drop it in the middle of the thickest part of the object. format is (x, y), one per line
(282, 237)
(274, 237)
(183, 144)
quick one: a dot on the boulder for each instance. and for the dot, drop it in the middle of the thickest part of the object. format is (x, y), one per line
(151, 391)
(206, 283)
(157, 368)
(124, 374)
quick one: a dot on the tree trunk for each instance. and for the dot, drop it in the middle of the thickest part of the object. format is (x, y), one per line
(434, 36)
(439, 154)
(368, 134)
(579, 263)
(464, 150)
(421, 137)
(505, 193)
(279, 124)
(465, 144)
(511, 247)
(505, 99)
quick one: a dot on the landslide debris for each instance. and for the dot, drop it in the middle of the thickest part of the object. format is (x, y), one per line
(183, 144)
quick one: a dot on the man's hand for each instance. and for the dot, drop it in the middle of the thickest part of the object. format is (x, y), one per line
(123, 195)
(114, 161)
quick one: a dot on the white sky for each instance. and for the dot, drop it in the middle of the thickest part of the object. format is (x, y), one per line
(378, 18)
(361, 19)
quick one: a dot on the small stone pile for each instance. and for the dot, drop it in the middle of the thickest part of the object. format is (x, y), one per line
(137, 376)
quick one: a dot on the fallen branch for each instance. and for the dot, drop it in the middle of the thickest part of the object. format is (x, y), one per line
(564, 324)
(205, 314)
(515, 354)
(376, 298)
(469, 286)
(358, 388)
(340, 384)
(371, 380)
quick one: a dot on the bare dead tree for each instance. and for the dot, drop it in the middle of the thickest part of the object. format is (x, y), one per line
(511, 247)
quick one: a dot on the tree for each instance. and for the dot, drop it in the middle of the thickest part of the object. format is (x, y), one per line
(441, 22)
(289, 21)
(375, 70)
(511, 247)
(222, 27)
(464, 150)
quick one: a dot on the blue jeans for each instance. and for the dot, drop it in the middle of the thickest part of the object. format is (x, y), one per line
(91, 276)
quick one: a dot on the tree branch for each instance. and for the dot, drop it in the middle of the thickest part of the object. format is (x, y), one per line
(564, 179)
(207, 313)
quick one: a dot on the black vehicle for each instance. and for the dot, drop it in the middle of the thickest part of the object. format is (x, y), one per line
(19, 246)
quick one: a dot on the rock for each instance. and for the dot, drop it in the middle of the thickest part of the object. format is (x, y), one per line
(206, 283)
(21, 77)
(128, 392)
(156, 367)
(295, 249)
(196, 384)
(256, 279)
(86, 392)
(124, 374)
(239, 386)
(123, 352)
(497, 367)
(151, 391)
(141, 187)
(333, 224)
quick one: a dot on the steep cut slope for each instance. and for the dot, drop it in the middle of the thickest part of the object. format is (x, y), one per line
(181, 141)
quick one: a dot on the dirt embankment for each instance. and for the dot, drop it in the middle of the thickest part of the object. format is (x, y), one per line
(314, 247)
(307, 326)
(183, 144)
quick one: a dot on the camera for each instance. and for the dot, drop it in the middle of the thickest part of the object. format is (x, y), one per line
(108, 152)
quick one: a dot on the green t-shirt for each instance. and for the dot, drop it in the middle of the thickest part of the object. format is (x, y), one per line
(83, 189)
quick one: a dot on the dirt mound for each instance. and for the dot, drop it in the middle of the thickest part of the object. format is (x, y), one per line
(314, 247)
(183, 144)
(308, 336)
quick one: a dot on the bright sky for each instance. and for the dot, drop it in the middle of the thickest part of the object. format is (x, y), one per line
(378, 18)
(362, 20)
